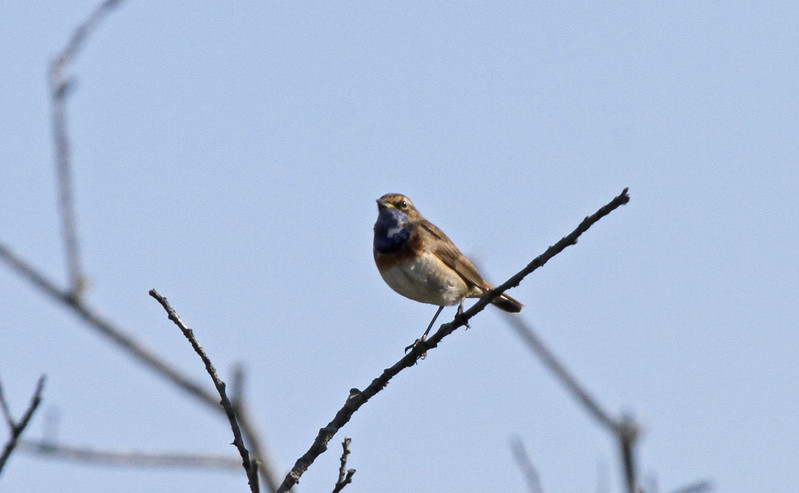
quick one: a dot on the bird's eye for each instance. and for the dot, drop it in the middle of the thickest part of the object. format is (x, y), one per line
(403, 205)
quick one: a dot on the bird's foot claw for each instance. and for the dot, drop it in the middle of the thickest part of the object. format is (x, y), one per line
(416, 343)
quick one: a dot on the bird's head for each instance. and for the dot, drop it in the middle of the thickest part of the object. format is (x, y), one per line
(396, 204)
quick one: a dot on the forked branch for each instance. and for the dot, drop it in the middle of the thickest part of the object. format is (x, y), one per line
(16, 428)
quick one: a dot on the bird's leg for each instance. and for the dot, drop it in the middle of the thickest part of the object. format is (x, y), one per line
(417, 341)
(459, 315)
(432, 322)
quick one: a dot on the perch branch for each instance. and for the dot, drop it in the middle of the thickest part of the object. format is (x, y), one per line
(358, 398)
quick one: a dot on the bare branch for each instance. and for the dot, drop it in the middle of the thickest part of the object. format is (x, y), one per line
(108, 329)
(250, 466)
(358, 398)
(16, 428)
(59, 90)
(139, 353)
(624, 430)
(6, 411)
(627, 432)
(79, 36)
(253, 438)
(129, 457)
(703, 486)
(249, 429)
(526, 465)
(237, 387)
(563, 375)
(344, 474)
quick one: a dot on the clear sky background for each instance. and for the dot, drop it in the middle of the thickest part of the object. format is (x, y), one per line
(229, 155)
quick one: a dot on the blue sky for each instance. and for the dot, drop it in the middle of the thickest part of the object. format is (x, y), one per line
(230, 155)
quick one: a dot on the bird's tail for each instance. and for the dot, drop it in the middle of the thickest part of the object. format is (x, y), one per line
(507, 303)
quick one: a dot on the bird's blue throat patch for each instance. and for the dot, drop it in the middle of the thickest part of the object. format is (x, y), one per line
(392, 230)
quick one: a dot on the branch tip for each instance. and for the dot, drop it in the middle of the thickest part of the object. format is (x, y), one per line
(250, 467)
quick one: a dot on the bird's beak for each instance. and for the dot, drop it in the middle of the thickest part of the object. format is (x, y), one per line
(382, 204)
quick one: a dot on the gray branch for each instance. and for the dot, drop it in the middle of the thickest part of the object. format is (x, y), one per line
(625, 430)
(60, 87)
(526, 465)
(129, 458)
(17, 427)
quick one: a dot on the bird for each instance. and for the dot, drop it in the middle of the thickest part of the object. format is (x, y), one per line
(417, 260)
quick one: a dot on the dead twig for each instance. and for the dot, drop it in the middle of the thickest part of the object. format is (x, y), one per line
(562, 374)
(17, 427)
(703, 486)
(625, 430)
(59, 91)
(128, 458)
(526, 465)
(250, 466)
(344, 474)
(140, 353)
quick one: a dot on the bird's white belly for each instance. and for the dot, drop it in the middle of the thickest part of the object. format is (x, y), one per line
(427, 280)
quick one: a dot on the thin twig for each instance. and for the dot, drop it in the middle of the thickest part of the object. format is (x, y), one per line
(16, 428)
(108, 329)
(250, 466)
(249, 429)
(358, 398)
(526, 465)
(252, 437)
(344, 474)
(697, 487)
(59, 91)
(563, 375)
(627, 431)
(237, 387)
(142, 354)
(129, 458)
(624, 430)
(6, 411)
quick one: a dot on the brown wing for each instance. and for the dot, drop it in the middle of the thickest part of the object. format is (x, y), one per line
(455, 260)
(452, 257)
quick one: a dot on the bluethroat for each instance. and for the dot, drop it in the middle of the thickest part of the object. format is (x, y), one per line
(417, 260)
